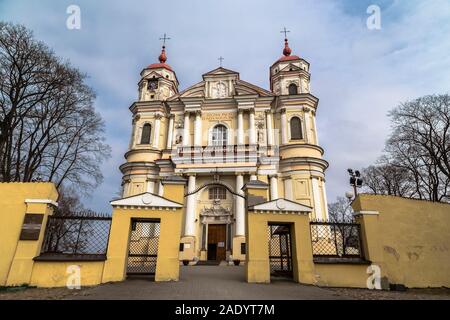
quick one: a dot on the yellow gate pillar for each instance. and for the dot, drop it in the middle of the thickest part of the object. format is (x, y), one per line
(259, 214)
(145, 206)
(22, 228)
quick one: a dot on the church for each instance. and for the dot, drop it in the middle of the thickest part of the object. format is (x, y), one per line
(218, 135)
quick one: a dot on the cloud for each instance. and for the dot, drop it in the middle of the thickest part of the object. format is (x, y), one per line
(357, 74)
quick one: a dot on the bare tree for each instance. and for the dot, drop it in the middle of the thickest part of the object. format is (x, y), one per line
(417, 160)
(388, 178)
(49, 129)
(340, 210)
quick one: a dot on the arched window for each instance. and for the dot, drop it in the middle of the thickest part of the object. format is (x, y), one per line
(217, 193)
(146, 133)
(293, 88)
(219, 135)
(296, 128)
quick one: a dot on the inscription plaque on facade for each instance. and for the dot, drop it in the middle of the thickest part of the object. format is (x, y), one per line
(31, 227)
(218, 116)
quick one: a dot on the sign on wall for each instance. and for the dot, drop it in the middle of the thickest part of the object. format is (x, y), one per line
(31, 227)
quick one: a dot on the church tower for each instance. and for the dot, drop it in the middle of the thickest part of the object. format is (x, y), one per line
(301, 172)
(151, 120)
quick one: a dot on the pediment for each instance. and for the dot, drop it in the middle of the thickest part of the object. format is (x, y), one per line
(220, 72)
(282, 205)
(146, 199)
(153, 74)
(290, 67)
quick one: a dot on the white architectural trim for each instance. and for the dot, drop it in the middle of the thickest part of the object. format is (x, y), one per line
(282, 205)
(317, 198)
(189, 228)
(273, 188)
(366, 213)
(240, 129)
(170, 133)
(47, 201)
(240, 207)
(146, 199)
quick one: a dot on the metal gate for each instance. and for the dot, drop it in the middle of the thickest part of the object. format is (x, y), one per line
(143, 249)
(280, 250)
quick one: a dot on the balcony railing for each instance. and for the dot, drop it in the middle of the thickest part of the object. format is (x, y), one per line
(216, 154)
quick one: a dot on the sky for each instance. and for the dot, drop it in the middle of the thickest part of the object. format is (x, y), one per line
(358, 74)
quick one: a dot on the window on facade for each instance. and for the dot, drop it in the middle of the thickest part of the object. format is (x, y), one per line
(296, 128)
(146, 133)
(217, 193)
(219, 135)
(293, 88)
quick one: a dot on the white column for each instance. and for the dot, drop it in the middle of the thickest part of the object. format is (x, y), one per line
(170, 133)
(325, 201)
(269, 128)
(284, 137)
(186, 131)
(251, 126)
(240, 209)
(160, 189)
(240, 130)
(189, 228)
(316, 134)
(156, 133)
(273, 188)
(288, 189)
(198, 129)
(316, 195)
(307, 126)
(150, 186)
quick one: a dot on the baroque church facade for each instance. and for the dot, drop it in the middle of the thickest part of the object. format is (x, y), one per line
(218, 135)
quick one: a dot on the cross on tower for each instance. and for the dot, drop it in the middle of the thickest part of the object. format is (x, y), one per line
(221, 60)
(285, 31)
(164, 39)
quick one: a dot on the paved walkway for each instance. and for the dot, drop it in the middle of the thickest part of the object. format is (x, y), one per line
(208, 282)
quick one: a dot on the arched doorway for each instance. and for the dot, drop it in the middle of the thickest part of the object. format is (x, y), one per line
(216, 220)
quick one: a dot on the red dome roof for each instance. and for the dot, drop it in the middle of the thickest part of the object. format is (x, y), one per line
(287, 53)
(162, 61)
(159, 65)
(288, 58)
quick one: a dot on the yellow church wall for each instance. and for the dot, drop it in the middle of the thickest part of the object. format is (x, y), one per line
(16, 255)
(142, 154)
(408, 239)
(300, 150)
(59, 274)
(341, 275)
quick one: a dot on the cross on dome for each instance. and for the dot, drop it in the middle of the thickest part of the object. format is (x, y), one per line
(162, 57)
(286, 51)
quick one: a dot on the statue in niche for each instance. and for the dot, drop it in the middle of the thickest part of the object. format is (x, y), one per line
(179, 124)
(219, 90)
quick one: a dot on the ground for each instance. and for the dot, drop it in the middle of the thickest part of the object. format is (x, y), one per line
(217, 283)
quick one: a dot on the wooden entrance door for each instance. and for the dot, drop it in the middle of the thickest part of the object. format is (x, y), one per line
(217, 242)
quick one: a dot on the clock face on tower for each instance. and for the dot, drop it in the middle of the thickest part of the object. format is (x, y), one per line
(152, 85)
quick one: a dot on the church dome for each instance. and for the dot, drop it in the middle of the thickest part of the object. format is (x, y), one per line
(287, 53)
(162, 61)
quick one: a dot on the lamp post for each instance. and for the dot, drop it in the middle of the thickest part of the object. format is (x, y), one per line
(355, 180)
